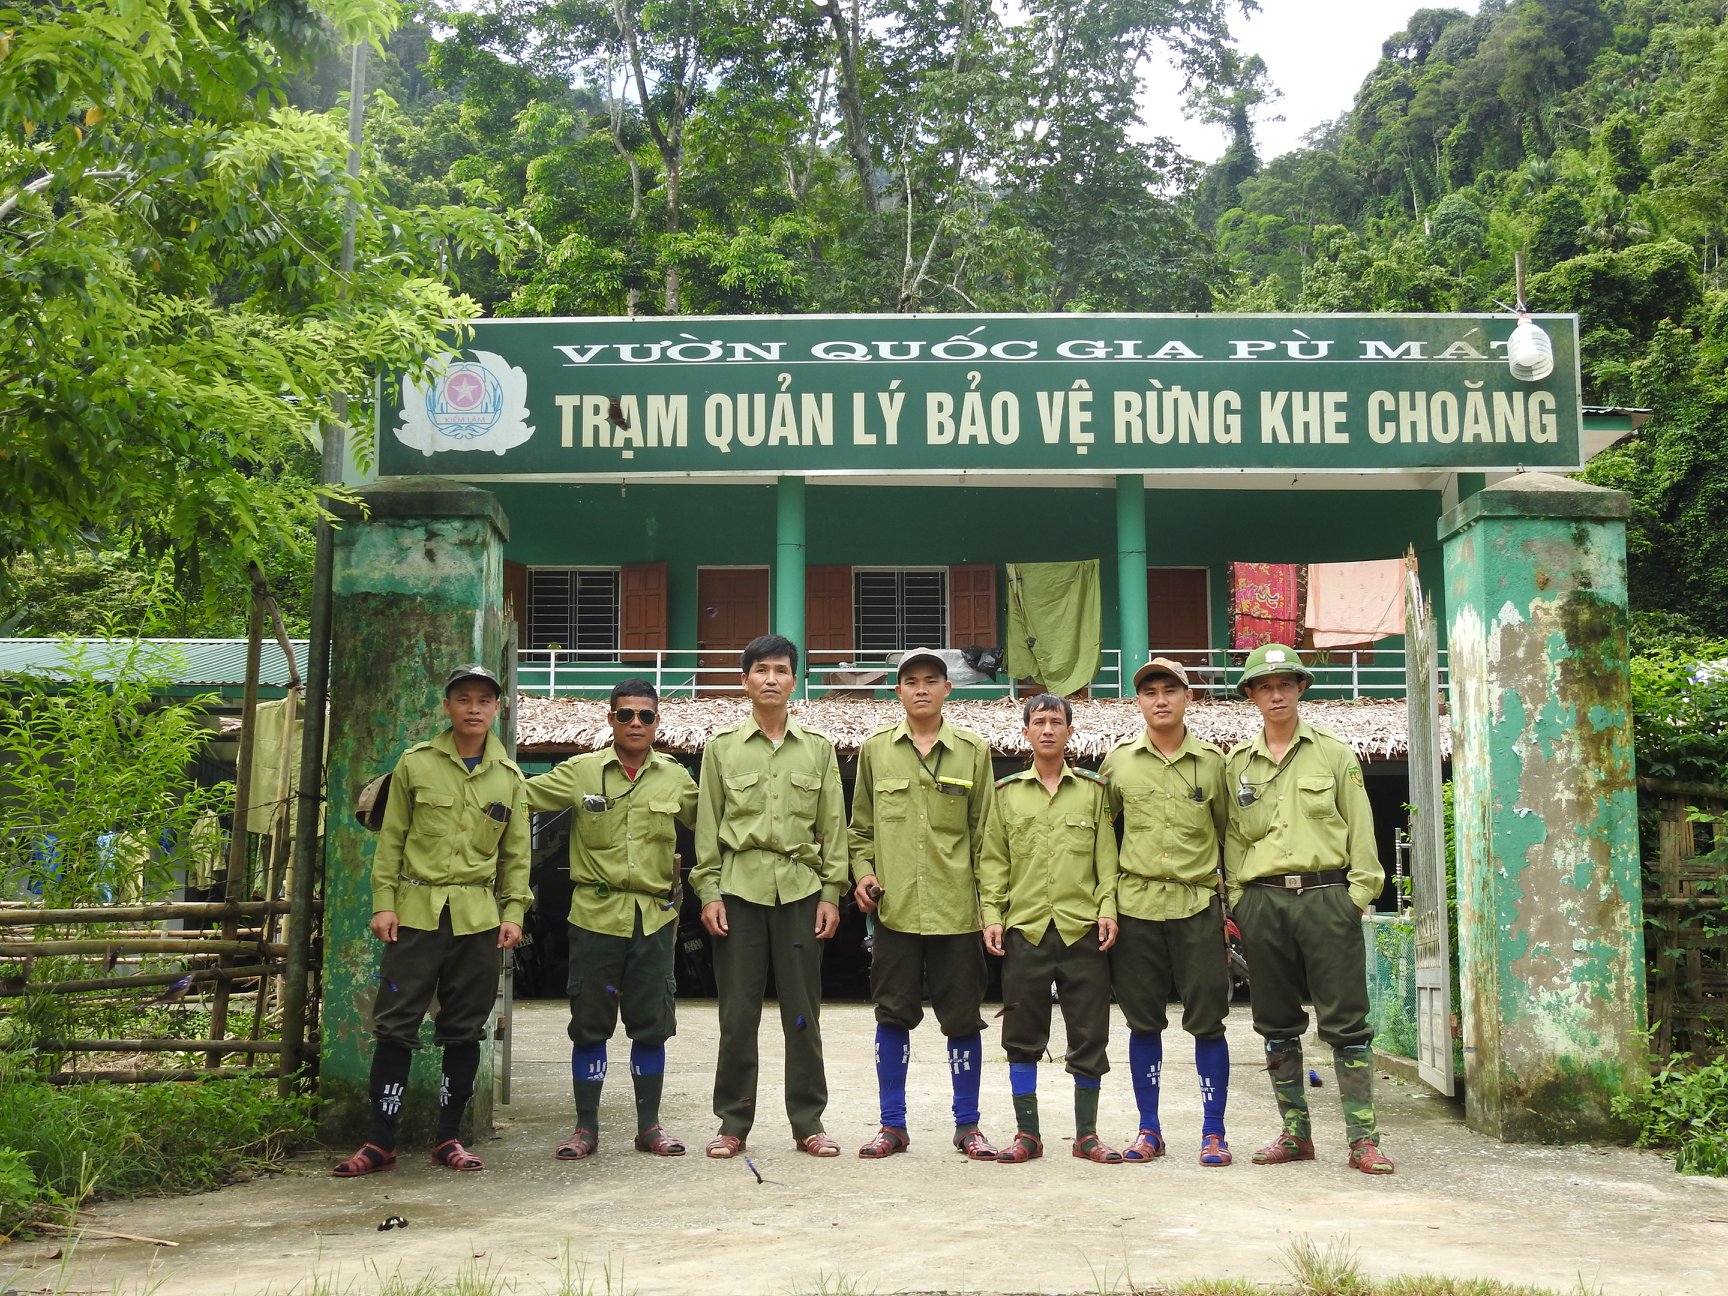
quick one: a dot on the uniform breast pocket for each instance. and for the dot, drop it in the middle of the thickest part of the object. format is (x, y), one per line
(746, 793)
(434, 815)
(662, 821)
(1079, 832)
(1142, 810)
(487, 833)
(1022, 833)
(600, 829)
(893, 798)
(1318, 797)
(802, 791)
(1192, 819)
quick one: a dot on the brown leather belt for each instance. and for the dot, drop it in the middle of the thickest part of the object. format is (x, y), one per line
(1300, 882)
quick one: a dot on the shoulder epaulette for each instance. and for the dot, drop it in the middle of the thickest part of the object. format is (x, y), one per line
(729, 729)
(1092, 776)
(971, 736)
(419, 746)
(1240, 747)
(881, 729)
(511, 765)
(1015, 777)
(1204, 745)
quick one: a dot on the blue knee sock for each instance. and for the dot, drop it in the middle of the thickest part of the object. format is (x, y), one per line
(1212, 1061)
(893, 1056)
(964, 1056)
(647, 1059)
(1022, 1078)
(1146, 1066)
(588, 1061)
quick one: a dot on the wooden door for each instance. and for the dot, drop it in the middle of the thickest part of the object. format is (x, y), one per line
(1178, 613)
(828, 615)
(972, 606)
(731, 610)
(641, 611)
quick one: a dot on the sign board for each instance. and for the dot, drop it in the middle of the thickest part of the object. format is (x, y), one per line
(576, 398)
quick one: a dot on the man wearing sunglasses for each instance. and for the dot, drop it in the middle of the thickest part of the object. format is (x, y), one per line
(626, 801)
(1302, 869)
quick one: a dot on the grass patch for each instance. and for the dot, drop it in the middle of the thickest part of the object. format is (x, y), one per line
(1684, 1108)
(60, 1145)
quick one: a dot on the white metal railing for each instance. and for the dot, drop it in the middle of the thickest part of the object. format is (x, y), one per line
(679, 672)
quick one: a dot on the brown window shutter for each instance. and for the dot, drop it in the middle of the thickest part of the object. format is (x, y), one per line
(642, 603)
(972, 606)
(516, 598)
(828, 614)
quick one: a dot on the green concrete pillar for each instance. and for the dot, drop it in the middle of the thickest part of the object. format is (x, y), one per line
(1550, 912)
(1131, 574)
(418, 588)
(789, 550)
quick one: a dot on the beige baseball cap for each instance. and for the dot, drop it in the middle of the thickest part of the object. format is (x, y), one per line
(1162, 666)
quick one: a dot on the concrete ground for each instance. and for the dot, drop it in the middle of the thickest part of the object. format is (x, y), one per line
(1620, 1222)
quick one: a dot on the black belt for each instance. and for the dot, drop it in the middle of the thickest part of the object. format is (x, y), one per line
(1299, 882)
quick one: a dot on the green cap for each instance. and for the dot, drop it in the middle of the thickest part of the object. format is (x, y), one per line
(1272, 659)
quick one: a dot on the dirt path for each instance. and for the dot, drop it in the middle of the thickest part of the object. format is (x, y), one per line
(1621, 1221)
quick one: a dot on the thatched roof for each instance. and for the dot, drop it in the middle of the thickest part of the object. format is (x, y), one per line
(1376, 728)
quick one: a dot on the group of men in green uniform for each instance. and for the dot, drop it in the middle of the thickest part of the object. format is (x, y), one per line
(947, 864)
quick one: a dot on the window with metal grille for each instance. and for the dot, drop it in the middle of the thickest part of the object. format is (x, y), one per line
(894, 608)
(575, 609)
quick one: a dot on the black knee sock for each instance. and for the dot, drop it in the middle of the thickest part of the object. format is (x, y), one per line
(386, 1089)
(455, 1088)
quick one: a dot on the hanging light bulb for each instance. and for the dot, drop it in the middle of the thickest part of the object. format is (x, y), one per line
(1529, 352)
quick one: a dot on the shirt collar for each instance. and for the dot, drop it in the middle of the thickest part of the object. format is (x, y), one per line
(750, 729)
(1304, 733)
(493, 750)
(944, 736)
(1190, 745)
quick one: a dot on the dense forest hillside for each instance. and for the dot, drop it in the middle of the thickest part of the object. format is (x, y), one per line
(899, 155)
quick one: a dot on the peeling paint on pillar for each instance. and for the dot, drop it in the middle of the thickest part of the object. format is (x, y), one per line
(418, 588)
(1550, 910)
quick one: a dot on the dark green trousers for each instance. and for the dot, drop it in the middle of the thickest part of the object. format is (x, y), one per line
(628, 975)
(780, 937)
(1312, 937)
(1081, 972)
(1154, 962)
(462, 971)
(903, 965)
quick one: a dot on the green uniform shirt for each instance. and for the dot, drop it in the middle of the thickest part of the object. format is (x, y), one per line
(922, 843)
(1049, 858)
(621, 858)
(1170, 839)
(770, 821)
(1311, 814)
(439, 847)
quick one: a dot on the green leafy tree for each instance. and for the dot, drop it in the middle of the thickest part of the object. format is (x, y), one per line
(169, 236)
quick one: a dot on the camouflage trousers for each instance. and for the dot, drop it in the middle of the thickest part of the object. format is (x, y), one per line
(1353, 1067)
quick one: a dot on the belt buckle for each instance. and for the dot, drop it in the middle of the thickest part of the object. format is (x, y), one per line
(602, 889)
(1293, 882)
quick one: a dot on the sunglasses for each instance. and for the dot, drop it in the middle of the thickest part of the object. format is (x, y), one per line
(624, 715)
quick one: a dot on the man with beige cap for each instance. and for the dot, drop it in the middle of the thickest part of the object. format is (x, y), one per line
(1169, 791)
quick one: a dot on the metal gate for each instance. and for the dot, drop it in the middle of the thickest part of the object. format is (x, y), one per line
(1429, 892)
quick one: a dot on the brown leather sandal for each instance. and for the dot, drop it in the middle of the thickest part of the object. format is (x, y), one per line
(453, 1156)
(370, 1159)
(972, 1142)
(1366, 1156)
(580, 1145)
(723, 1147)
(819, 1145)
(1089, 1147)
(1025, 1147)
(1283, 1149)
(659, 1142)
(1148, 1145)
(886, 1143)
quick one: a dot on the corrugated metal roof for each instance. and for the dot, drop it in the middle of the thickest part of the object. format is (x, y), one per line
(187, 663)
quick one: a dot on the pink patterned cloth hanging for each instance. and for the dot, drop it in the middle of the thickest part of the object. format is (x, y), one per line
(1265, 604)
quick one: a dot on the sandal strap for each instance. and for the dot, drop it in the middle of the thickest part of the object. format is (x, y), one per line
(1214, 1151)
(722, 1147)
(1024, 1147)
(1089, 1147)
(1148, 1145)
(370, 1159)
(451, 1153)
(819, 1144)
(974, 1145)
(583, 1143)
(885, 1143)
(656, 1140)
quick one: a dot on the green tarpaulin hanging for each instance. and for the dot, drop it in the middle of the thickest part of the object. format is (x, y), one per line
(1055, 616)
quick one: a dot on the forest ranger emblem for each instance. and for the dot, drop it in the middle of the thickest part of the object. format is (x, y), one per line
(478, 404)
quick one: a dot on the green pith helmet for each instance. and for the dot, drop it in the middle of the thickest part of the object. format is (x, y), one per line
(1272, 659)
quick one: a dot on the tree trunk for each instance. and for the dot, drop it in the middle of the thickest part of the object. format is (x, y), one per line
(851, 101)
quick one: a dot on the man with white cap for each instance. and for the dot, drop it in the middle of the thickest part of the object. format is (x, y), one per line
(919, 809)
(1302, 869)
(1167, 788)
